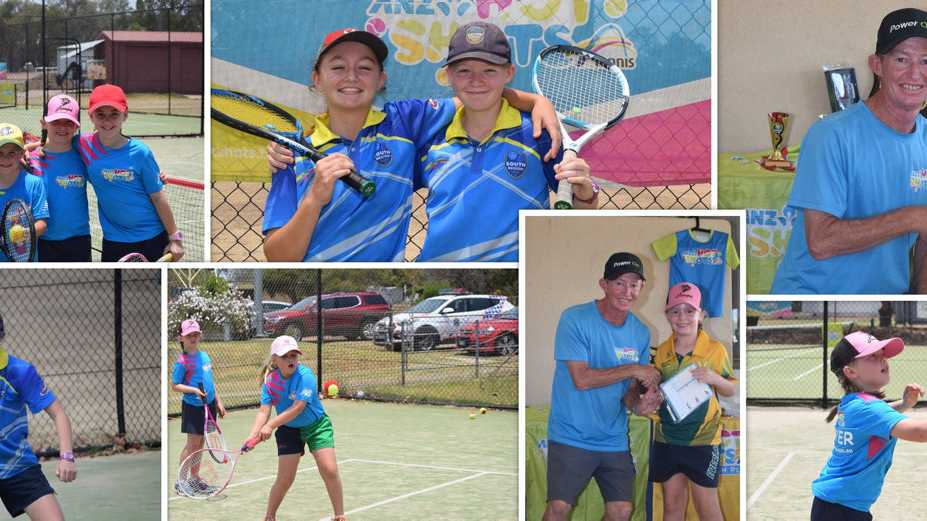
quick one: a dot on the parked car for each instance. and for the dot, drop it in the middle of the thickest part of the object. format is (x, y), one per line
(348, 314)
(437, 320)
(493, 335)
(267, 306)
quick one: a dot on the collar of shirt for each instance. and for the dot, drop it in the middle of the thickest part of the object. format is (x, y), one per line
(4, 358)
(700, 351)
(323, 134)
(509, 117)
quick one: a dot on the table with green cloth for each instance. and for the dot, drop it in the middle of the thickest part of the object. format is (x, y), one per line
(589, 506)
(744, 184)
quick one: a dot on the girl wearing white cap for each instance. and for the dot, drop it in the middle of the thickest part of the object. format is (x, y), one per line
(193, 376)
(867, 429)
(687, 452)
(290, 388)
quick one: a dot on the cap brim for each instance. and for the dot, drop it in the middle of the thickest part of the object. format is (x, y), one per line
(369, 39)
(60, 116)
(479, 55)
(891, 347)
(620, 273)
(117, 106)
(11, 141)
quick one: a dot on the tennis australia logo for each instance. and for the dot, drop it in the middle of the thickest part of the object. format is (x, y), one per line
(515, 164)
(919, 180)
(626, 355)
(125, 175)
(70, 181)
(383, 155)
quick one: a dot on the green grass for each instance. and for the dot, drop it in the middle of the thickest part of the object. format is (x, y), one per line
(493, 392)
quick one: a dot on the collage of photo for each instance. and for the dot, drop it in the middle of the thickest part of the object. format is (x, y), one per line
(535, 260)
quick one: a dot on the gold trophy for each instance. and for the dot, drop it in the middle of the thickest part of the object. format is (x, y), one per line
(778, 126)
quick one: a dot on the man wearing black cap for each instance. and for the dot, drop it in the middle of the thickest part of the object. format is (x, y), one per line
(861, 186)
(601, 348)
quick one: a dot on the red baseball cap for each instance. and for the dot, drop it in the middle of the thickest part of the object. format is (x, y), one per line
(108, 95)
(353, 35)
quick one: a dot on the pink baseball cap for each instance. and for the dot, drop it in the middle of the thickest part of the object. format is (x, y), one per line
(108, 95)
(283, 345)
(684, 293)
(189, 326)
(63, 106)
(866, 344)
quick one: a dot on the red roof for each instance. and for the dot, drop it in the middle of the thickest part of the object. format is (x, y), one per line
(152, 36)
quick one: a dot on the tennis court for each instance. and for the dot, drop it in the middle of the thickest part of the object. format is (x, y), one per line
(789, 446)
(109, 488)
(396, 462)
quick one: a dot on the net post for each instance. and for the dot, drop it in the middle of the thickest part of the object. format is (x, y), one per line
(117, 333)
(318, 329)
(824, 334)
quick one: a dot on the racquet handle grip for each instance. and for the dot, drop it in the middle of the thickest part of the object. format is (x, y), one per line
(564, 196)
(358, 182)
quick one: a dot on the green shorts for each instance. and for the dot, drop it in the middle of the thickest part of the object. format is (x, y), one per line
(318, 435)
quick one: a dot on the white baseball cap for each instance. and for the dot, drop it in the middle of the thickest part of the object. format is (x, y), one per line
(283, 345)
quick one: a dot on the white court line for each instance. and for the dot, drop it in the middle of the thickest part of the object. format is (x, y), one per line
(777, 360)
(759, 492)
(410, 494)
(806, 373)
(435, 467)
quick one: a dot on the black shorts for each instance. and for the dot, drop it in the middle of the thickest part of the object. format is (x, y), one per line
(192, 417)
(700, 463)
(570, 468)
(825, 511)
(24, 489)
(72, 249)
(152, 248)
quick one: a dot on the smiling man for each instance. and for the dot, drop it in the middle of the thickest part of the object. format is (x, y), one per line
(861, 186)
(600, 349)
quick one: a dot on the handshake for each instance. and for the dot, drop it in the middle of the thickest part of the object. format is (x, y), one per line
(643, 396)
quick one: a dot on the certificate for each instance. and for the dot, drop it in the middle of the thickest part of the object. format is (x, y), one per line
(682, 393)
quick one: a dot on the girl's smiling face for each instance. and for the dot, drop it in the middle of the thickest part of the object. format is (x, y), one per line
(684, 318)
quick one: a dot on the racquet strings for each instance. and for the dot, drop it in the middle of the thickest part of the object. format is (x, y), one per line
(583, 88)
(16, 232)
(200, 475)
(254, 114)
(215, 440)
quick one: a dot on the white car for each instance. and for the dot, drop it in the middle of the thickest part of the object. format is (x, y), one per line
(437, 320)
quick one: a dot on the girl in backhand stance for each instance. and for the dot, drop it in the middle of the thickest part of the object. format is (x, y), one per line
(867, 429)
(23, 487)
(291, 388)
(688, 452)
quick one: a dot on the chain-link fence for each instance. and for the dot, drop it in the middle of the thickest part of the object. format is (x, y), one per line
(238, 210)
(94, 337)
(789, 345)
(155, 55)
(377, 342)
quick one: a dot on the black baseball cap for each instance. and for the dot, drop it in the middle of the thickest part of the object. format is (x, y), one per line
(353, 35)
(900, 25)
(480, 41)
(623, 262)
(860, 344)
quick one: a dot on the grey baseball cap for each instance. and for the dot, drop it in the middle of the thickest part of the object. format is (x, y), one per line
(479, 41)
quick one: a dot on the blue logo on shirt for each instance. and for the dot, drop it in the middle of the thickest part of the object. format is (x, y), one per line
(515, 164)
(383, 155)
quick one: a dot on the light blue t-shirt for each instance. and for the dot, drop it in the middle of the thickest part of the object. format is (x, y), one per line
(594, 419)
(123, 180)
(863, 449)
(352, 227)
(65, 177)
(194, 369)
(300, 386)
(20, 386)
(853, 166)
(30, 189)
(698, 262)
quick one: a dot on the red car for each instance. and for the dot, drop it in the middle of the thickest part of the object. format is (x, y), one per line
(495, 335)
(350, 315)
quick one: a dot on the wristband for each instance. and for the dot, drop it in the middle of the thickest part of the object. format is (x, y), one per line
(67, 456)
(177, 236)
(595, 193)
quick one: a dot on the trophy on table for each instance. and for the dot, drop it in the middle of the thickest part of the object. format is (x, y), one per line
(778, 127)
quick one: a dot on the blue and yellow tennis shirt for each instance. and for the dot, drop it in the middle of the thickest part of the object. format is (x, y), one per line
(20, 386)
(476, 189)
(352, 227)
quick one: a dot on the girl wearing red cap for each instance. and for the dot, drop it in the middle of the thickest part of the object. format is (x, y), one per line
(867, 428)
(687, 452)
(311, 216)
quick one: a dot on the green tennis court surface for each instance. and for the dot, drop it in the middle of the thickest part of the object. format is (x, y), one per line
(396, 462)
(109, 488)
(789, 446)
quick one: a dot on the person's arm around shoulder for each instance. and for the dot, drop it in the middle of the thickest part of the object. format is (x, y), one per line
(543, 116)
(829, 236)
(66, 470)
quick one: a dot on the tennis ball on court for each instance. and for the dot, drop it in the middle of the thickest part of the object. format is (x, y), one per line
(333, 391)
(576, 110)
(17, 233)
(483, 410)
(472, 416)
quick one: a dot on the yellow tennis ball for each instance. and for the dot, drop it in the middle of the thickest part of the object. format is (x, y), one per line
(17, 233)
(333, 391)
(483, 410)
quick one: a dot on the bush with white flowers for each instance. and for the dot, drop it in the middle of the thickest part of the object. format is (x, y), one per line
(211, 309)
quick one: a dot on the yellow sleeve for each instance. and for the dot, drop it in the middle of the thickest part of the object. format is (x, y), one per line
(664, 247)
(732, 259)
(722, 364)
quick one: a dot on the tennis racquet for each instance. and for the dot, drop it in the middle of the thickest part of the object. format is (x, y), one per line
(18, 232)
(214, 438)
(252, 115)
(202, 477)
(588, 92)
(138, 257)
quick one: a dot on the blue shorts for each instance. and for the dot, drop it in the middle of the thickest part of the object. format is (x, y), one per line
(24, 489)
(72, 249)
(700, 463)
(826, 511)
(192, 417)
(152, 248)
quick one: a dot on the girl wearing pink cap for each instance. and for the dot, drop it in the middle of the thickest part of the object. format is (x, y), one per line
(290, 388)
(193, 376)
(867, 428)
(687, 452)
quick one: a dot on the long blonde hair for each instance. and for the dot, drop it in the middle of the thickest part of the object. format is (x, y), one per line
(267, 367)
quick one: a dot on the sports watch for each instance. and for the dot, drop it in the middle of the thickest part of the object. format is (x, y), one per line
(67, 456)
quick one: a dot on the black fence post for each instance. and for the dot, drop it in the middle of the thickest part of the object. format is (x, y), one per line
(318, 327)
(825, 333)
(117, 329)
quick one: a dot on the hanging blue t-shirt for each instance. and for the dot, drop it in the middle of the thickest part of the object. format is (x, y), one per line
(853, 166)
(593, 419)
(194, 369)
(699, 262)
(65, 177)
(20, 386)
(30, 189)
(863, 449)
(300, 386)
